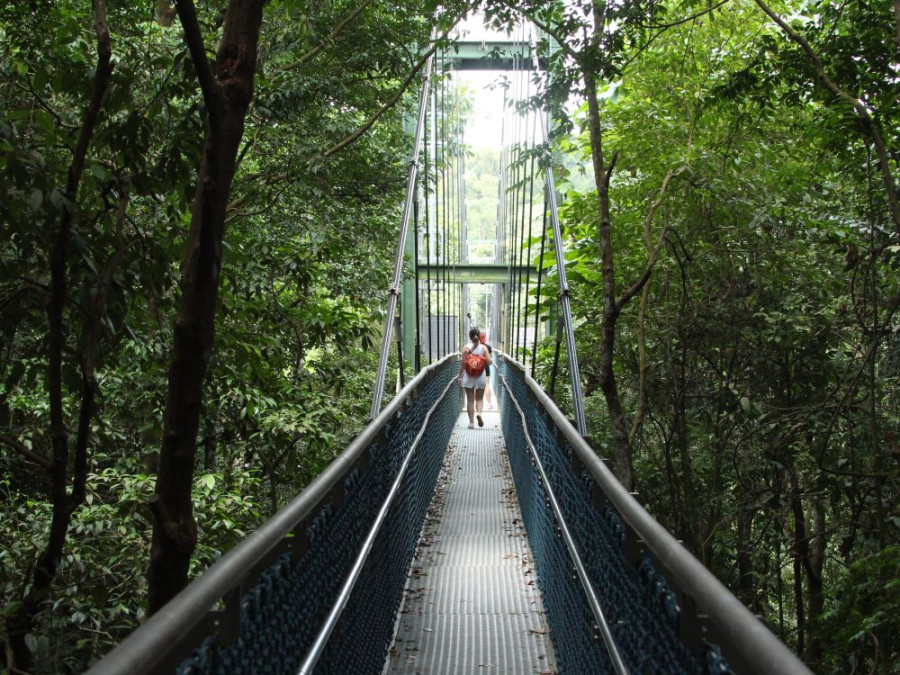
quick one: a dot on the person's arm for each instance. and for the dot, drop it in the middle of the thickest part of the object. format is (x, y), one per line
(487, 355)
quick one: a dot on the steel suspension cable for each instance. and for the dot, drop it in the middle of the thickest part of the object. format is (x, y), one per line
(417, 359)
(394, 289)
(500, 253)
(512, 219)
(524, 89)
(445, 288)
(451, 191)
(520, 242)
(429, 171)
(564, 293)
(514, 152)
(441, 192)
(445, 157)
(530, 237)
(540, 276)
(444, 199)
(505, 159)
(458, 310)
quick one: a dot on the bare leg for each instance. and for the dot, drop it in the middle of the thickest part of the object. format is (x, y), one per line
(470, 404)
(479, 404)
(487, 392)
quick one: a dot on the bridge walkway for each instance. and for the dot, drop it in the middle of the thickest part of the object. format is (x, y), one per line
(472, 604)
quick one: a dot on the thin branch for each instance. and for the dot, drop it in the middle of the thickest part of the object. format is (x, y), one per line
(187, 14)
(612, 165)
(271, 203)
(651, 263)
(641, 50)
(23, 450)
(43, 104)
(686, 19)
(653, 251)
(387, 106)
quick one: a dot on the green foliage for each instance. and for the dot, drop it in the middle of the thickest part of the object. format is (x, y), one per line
(766, 389)
(310, 240)
(101, 592)
(762, 389)
(862, 625)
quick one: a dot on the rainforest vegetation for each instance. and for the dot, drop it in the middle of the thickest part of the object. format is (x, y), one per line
(199, 209)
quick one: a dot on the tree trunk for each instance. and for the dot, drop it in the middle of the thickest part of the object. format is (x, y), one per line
(814, 576)
(747, 591)
(622, 447)
(227, 97)
(21, 622)
(801, 560)
(690, 514)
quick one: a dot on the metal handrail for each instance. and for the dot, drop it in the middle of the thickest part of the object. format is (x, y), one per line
(151, 643)
(611, 647)
(747, 643)
(337, 608)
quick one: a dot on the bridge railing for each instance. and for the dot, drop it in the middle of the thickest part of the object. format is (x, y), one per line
(663, 611)
(260, 608)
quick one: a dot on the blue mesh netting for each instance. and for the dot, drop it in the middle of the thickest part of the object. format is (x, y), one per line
(280, 615)
(642, 611)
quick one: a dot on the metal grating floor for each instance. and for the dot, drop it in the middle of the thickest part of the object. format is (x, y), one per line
(472, 604)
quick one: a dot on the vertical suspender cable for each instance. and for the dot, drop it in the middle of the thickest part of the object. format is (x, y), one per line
(505, 180)
(540, 276)
(514, 152)
(528, 255)
(439, 203)
(500, 254)
(530, 238)
(401, 248)
(435, 221)
(444, 200)
(417, 358)
(510, 210)
(448, 216)
(564, 299)
(512, 219)
(523, 155)
(454, 242)
(521, 242)
(429, 170)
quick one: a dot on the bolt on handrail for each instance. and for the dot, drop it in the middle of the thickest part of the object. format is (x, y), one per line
(340, 602)
(602, 624)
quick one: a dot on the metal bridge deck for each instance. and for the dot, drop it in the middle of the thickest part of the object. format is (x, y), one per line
(472, 603)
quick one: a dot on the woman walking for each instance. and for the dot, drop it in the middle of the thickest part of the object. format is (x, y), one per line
(472, 378)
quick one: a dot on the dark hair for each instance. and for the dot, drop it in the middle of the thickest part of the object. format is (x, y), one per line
(475, 336)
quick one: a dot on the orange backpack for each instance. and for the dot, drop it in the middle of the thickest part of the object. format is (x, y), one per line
(474, 364)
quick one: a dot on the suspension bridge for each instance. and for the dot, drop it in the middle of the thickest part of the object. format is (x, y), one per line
(429, 547)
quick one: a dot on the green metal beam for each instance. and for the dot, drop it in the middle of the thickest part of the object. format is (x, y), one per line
(483, 273)
(492, 55)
